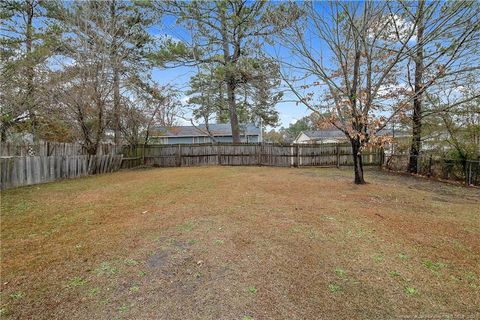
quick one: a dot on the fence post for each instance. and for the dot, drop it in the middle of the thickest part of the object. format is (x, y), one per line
(382, 156)
(179, 156)
(297, 149)
(337, 151)
(258, 153)
(468, 172)
(219, 157)
(430, 166)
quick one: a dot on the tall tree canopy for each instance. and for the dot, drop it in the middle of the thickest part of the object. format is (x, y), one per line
(226, 38)
(70, 68)
(28, 38)
(255, 99)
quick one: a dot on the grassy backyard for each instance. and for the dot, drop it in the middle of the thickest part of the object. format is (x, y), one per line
(240, 243)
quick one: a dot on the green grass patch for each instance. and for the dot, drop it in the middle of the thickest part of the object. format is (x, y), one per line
(93, 292)
(186, 226)
(403, 256)
(411, 291)
(252, 290)
(333, 287)
(394, 274)
(434, 266)
(134, 289)
(17, 295)
(131, 262)
(340, 272)
(76, 282)
(106, 268)
(4, 312)
(472, 280)
(123, 308)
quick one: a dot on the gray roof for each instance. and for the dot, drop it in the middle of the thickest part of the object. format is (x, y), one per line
(220, 129)
(335, 133)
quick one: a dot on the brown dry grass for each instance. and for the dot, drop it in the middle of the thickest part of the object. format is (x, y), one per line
(237, 242)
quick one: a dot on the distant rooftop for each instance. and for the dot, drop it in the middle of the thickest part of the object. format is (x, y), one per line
(335, 133)
(216, 130)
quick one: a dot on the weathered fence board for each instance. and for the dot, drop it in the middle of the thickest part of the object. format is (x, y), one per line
(251, 155)
(23, 171)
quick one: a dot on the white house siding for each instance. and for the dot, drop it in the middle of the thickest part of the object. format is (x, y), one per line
(303, 138)
(330, 140)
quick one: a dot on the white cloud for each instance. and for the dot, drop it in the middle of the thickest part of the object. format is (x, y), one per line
(184, 99)
(396, 27)
(183, 122)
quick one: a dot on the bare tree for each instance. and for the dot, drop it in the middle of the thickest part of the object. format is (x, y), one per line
(84, 95)
(345, 59)
(452, 112)
(447, 40)
(152, 105)
(82, 87)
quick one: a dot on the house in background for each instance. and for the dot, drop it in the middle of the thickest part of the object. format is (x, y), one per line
(320, 136)
(249, 133)
(337, 136)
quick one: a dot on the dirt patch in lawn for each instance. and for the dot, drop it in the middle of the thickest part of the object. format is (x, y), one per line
(158, 260)
(240, 243)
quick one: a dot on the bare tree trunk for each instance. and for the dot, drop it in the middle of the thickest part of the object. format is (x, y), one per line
(357, 162)
(116, 106)
(230, 79)
(91, 149)
(233, 112)
(31, 71)
(145, 142)
(418, 98)
(116, 75)
(356, 144)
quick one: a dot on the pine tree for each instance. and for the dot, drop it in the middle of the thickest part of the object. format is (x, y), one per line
(29, 37)
(225, 36)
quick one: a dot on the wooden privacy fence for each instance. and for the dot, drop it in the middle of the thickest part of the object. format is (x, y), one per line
(18, 171)
(251, 155)
(432, 165)
(132, 156)
(22, 171)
